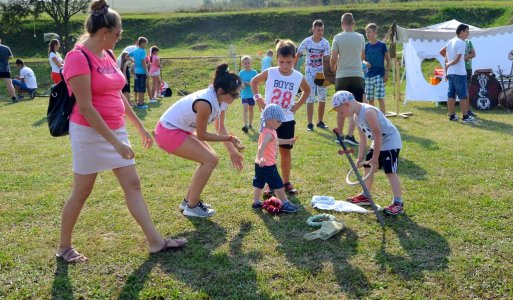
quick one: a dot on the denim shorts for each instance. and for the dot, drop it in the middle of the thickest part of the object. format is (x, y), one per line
(140, 83)
(457, 86)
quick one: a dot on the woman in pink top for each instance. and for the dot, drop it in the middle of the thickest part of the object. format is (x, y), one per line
(265, 161)
(155, 73)
(99, 140)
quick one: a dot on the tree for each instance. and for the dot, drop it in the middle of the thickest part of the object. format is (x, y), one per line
(61, 12)
(13, 13)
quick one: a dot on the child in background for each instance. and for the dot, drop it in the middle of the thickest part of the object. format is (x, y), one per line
(265, 162)
(383, 152)
(267, 61)
(140, 72)
(247, 96)
(154, 73)
(281, 87)
(125, 69)
(315, 47)
(376, 54)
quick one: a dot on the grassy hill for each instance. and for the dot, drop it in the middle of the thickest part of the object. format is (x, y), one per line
(213, 32)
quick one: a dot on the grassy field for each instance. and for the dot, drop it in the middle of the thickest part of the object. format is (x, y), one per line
(454, 242)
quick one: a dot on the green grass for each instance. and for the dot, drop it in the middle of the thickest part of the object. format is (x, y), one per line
(453, 243)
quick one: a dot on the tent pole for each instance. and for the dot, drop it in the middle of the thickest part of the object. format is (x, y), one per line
(396, 76)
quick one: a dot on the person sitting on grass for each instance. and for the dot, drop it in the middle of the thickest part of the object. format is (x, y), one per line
(26, 82)
(383, 152)
(265, 162)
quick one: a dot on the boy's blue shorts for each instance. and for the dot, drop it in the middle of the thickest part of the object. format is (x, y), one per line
(457, 86)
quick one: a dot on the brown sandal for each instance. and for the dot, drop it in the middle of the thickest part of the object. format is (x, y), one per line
(172, 244)
(71, 256)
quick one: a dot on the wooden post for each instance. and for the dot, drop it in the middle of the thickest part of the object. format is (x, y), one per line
(396, 75)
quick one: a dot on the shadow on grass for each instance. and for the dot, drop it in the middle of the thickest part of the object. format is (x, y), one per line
(482, 123)
(199, 266)
(61, 287)
(141, 113)
(426, 249)
(40, 122)
(312, 256)
(411, 170)
(421, 141)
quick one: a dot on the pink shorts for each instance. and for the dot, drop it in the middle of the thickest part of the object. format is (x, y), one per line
(170, 139)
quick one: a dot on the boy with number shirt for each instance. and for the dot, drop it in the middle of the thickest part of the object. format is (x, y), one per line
(315, 47)
(383, 152)
(282, 84)
(376, 55)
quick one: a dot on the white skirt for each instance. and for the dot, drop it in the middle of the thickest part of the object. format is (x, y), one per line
(92, 153)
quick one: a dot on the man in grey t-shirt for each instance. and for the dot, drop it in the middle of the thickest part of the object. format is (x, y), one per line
(5, 71)
(347, 54)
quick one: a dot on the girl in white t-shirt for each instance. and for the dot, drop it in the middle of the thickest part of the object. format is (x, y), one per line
(182, 131)
(56, 62)
(281, 86)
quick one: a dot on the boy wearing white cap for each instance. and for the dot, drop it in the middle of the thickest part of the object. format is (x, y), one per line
(384, 150)
(265, 161)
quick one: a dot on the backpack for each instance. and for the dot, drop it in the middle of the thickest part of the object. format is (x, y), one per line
(167, 92)
(61, 104)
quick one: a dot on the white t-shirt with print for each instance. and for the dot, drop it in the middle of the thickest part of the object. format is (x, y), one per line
(314, 52)
(282, 90)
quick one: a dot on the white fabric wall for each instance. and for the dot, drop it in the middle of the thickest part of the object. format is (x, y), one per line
(492, 47)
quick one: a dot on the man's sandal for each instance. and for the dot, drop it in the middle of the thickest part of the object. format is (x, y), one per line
(71, 256)
(172, 244)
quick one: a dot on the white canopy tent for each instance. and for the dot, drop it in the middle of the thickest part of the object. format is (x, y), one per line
(492, 46)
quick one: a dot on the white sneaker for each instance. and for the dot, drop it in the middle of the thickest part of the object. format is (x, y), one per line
(200, 211)
(469, 119)
(153, 101)
(183, 205)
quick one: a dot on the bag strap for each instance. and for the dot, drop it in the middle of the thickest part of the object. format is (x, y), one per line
(88, 62)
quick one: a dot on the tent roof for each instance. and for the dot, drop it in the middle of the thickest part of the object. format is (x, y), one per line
(448, 25)
(444, 32)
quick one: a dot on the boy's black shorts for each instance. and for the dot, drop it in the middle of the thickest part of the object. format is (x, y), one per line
(286, 131)
(388, 160)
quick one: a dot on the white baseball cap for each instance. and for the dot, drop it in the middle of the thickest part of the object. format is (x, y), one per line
(340, 98)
